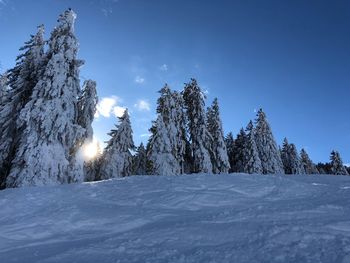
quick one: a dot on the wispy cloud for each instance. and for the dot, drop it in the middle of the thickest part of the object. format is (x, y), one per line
(145, 135)
(136, 70)
(142, 105)
(3, 4)
(108, 106)
(163, 67)
(135, 65)
(107, 6)
(139, 80)
(105, 11)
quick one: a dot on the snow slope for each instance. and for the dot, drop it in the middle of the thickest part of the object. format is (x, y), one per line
(194, 218)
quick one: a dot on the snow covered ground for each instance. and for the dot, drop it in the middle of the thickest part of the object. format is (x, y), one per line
(194, 218)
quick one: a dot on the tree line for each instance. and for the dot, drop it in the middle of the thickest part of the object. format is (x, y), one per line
(45, 118)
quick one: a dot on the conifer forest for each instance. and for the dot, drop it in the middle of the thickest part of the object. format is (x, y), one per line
(192, 189)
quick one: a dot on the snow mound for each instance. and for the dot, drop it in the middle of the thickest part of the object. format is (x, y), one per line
(194, 218)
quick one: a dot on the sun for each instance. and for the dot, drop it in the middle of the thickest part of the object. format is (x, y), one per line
(91, 150)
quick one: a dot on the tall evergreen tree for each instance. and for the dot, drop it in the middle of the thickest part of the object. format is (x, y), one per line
(230, 144)
(200, 137)
(291, 160)
(19, 83)
(297, 167)
(336, 164)
(252, 163)
(159, 151)
(50, 118)
(308, 165)
(285, 156)
(140, 161)
(170, 107)
(238, 152)
(182, 144)
(116, 160)
(220, 159)
(87, 103)
(267, 147)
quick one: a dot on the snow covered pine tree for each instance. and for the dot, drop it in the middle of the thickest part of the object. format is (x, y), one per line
(218, 148)
(159, 150)
(238, 152)
(51, 130)
(230, 144)
(86, 110)
(182, 144)
(268, 151)
(296, 165)
(200, 137)
(21, 81)
(337, 166)
(116, 160)
(140, 161)
(291, 160)
(170, 108)
(251, 160)
(309, 166)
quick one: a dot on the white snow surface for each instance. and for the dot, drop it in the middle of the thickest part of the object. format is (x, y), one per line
(191, 218)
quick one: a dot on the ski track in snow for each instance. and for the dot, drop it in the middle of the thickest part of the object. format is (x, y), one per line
(192, 218)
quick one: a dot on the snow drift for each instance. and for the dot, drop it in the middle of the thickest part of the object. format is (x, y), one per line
(195, 218)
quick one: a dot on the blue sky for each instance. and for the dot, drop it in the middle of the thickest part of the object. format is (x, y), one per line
(292, 58)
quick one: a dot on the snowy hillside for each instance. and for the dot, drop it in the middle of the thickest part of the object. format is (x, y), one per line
(197, 218)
